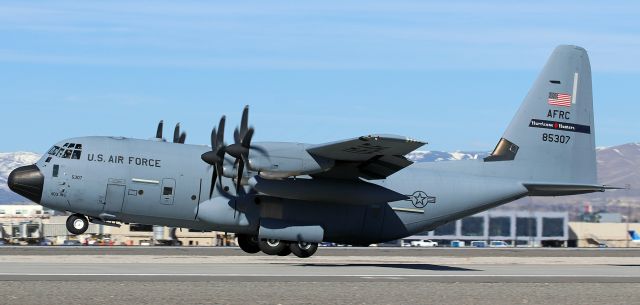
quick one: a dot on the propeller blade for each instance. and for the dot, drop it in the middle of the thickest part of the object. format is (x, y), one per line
(213, 182)
(239, 175)
(183, 137)
(219, 171)
(210, 157)
(236, 136)
(176, 133)
(213, 139)
(244, 123)
(235, 150)
(220, 134)
(246, 140)
(159, 130)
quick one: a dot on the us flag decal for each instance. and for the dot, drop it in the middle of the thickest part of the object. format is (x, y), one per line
(559, 99)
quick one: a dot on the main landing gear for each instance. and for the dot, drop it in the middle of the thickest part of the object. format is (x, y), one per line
(251, 244)
(248, 243)
(77, 224)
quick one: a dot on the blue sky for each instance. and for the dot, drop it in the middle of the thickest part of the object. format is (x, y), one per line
(450, 73)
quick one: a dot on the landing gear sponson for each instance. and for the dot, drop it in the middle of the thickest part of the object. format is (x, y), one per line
(251, 244)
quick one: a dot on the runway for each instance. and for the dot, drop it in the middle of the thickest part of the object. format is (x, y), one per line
(345, 276)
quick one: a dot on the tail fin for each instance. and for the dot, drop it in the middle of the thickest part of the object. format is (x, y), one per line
(635, 237)
(551, 138)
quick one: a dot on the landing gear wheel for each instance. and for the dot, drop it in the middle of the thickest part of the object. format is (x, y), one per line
(248, 243)
(77, 224)
(303, 249)
(272, 246)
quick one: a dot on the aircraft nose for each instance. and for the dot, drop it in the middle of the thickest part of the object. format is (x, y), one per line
(27, 181)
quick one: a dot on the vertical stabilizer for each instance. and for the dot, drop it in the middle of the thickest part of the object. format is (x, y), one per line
(551, 137)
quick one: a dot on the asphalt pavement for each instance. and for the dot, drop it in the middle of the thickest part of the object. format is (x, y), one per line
(166, 275)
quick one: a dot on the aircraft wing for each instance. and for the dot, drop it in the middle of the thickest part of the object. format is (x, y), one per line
(369, 157)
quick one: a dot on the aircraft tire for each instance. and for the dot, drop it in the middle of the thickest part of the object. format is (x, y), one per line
(248, 243)
(303, 249)
(272, 246)
(77, 224)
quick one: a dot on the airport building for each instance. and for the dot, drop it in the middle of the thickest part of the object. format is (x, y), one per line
(602, 234)
(31, 224)
(514, 227)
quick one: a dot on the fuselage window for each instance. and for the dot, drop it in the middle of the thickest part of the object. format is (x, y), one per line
(167, 191)
(56, 168)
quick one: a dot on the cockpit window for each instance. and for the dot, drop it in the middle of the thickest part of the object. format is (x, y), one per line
(67, 151)
(53, 150)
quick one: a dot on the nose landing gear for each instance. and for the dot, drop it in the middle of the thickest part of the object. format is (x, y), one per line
(77, 224)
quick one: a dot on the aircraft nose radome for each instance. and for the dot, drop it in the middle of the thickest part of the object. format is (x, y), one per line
(27, 181)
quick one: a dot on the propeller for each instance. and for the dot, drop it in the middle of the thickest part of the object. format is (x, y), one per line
(215, 156)
(242, 146)
(159, 130)
(177, 136)
(239, 150)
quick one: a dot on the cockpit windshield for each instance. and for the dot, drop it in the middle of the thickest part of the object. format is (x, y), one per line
(67, 151)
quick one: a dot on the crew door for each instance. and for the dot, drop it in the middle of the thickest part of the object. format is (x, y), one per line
(114, 198)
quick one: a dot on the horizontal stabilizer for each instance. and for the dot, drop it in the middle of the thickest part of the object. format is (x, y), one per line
(546, 189)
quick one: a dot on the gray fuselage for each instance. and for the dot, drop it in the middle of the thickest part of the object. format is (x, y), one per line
(129, 180)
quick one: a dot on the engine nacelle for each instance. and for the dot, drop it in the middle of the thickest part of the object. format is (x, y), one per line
(222, 212)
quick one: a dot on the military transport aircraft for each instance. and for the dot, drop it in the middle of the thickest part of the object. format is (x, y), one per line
(282, 198)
